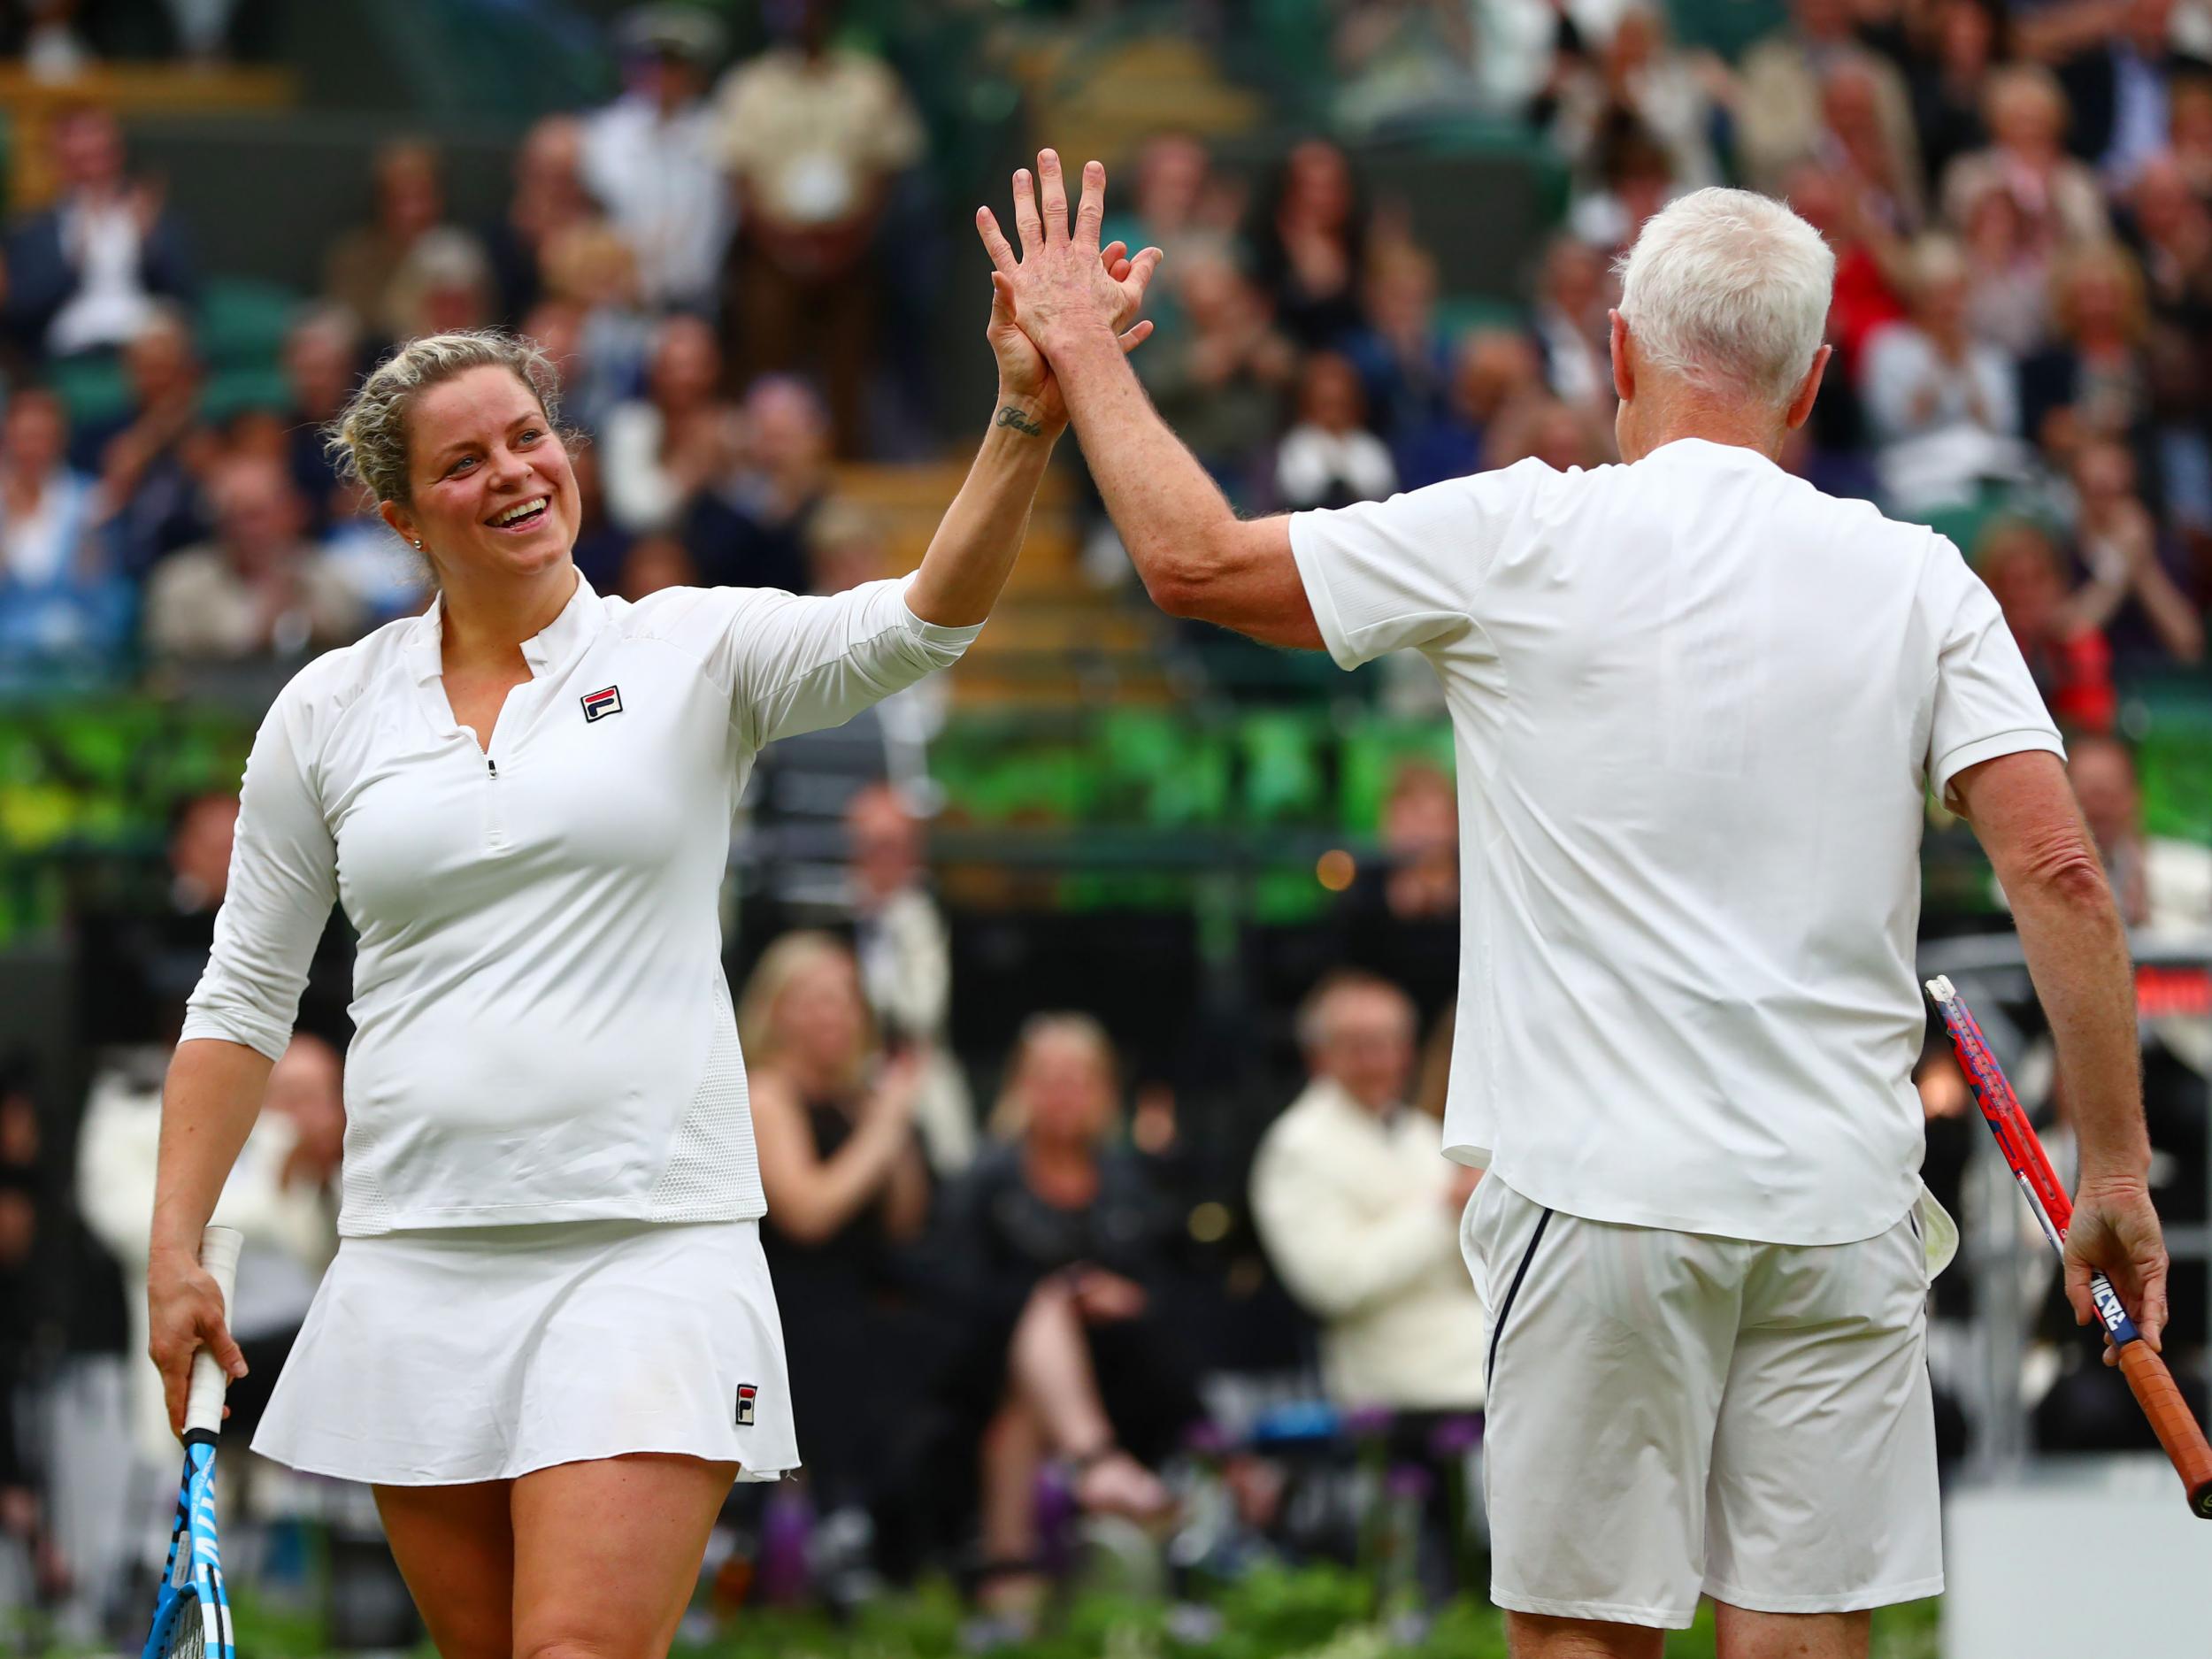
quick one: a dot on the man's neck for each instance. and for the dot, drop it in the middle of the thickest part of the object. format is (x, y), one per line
(1760, 430)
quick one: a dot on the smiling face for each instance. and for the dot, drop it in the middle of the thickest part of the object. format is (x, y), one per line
(491, 493)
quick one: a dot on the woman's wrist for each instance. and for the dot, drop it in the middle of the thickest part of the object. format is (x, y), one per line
(1024, 414)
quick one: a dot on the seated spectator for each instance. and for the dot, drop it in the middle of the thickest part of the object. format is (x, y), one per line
(322, 356)
(1492, 369)
(2170, 233)
(1179, 206)
(84, 274)
(1639, 73)
(1329, 459)
(2008, 278)
(1067, 1246)
(279, 1194)
(1881, 161)
(443, 285)
(1398, 63)
(2112, 61)
(2071, 663)
(1401, 918)
(1308, 240)
(2131, 594)
(1573, 293)
(150, 459)
(813, 134)
(653, 563)
(905, 949)
(2056, 195)
(846, 1184)
(652, 158)
(753, 531)
(2189, 130)
(389, 577)
(258, 589)
(548, 198)
(1220, 378)
(1942, 405)
(1778, 106)
(1550, 429)
(1359, 1210)
(1948, 67)
(62, 603)
(664, 448)
(1631, 178)
(2160, 882)
(362, 265)
(590, 266)
(1404, 355)
(2093, 372)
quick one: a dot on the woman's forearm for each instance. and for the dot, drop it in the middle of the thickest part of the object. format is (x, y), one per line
(208, 1107)
(981, 532)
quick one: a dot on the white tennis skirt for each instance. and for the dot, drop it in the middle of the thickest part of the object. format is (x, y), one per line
(440, 1357)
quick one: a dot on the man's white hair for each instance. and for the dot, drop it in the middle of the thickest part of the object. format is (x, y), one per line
(1729, 290)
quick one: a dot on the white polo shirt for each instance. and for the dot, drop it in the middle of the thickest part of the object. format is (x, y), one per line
(543, 1031)
(1697, 706)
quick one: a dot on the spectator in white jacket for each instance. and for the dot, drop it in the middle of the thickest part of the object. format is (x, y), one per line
(1359, 1210)
(281, 1195)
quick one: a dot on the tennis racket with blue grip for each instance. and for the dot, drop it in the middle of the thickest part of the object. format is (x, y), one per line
(192, 1613)
(2147, 1378)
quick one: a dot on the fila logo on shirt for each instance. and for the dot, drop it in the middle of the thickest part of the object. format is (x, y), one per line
(747, 1394)
(599, 704)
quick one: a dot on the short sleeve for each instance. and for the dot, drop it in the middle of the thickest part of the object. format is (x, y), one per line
(799, 662)
(1382, 576)
(283, 882)
(1986, 703)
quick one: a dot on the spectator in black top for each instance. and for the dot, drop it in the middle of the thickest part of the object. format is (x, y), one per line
(83, 274)
(846, 1184)
(1308, 240)
(1067, 1244)
(753, 532)
(1958, 43)
(322, 356)
(549, 197)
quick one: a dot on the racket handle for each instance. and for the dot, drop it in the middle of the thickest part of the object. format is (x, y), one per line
(218, 1259)
(2177, 1432)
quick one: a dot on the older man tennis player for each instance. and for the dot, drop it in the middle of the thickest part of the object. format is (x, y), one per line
(1698, 706)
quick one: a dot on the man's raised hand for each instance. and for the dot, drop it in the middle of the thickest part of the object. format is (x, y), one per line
(1060, 287)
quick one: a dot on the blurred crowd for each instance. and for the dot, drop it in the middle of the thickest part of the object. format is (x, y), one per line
(1070, 1266)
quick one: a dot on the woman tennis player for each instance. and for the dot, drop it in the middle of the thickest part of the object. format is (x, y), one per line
(548, 1340)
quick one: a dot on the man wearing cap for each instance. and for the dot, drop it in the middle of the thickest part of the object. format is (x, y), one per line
(651, 156)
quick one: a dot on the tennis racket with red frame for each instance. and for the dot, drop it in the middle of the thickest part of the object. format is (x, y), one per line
(2147, 1377)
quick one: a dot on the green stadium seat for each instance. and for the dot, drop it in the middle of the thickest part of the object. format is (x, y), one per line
(93, 389)
(242, 323)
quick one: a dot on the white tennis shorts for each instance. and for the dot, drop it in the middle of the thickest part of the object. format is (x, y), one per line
(1672, 1413)
(440, 1356)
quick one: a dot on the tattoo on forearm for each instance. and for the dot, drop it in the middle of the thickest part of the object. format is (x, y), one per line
(1008, 415)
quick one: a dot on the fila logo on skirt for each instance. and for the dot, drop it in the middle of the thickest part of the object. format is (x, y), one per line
(747, 1394)
(599, 704)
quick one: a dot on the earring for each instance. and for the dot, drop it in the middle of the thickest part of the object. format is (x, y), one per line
(418, 544)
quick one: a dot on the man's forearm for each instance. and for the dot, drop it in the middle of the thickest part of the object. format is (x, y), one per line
(2076, 952)
(977, 540)
(1159, 497)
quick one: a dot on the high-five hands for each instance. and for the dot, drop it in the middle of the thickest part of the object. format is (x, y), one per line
(1063, 285)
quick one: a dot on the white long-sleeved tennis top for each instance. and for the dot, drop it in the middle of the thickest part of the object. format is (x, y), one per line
(543, 1029)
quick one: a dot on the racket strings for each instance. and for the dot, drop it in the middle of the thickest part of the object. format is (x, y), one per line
(187, 1637)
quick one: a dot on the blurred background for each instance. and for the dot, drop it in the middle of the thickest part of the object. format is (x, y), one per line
(1149, 936)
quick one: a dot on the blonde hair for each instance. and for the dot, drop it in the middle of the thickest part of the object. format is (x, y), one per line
(779, 967)
(369, 437)
(2107, 258)
(1010, 1117)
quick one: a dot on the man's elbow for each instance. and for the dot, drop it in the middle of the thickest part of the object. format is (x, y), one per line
(2066, 873)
